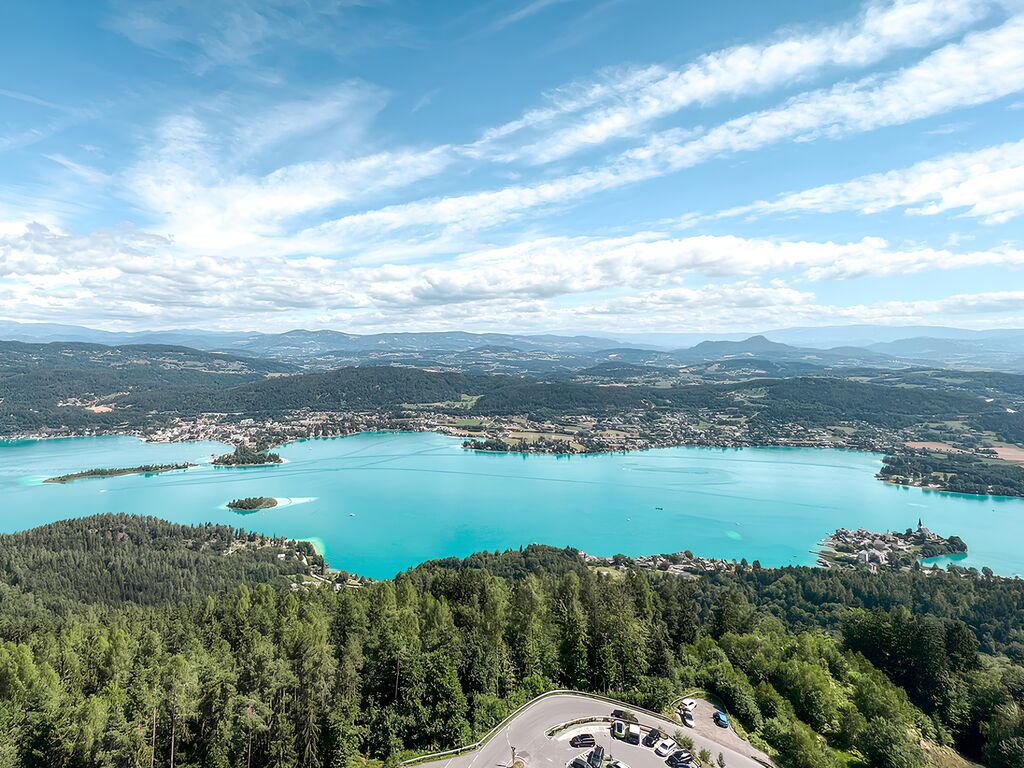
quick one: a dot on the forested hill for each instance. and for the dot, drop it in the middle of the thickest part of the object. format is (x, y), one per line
(811, 399)
(51, 385)
(118, 559)
(265, 676)
(80, 387)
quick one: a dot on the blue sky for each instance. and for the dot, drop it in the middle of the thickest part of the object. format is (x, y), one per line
(521, 165)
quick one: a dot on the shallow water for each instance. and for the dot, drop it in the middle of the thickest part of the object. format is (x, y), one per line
(379, 503)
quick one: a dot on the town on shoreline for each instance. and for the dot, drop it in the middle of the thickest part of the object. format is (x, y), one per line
(905, 463)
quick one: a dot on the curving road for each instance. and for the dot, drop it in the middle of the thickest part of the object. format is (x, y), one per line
(526, 732)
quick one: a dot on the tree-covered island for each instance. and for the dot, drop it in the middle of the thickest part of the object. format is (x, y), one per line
(246, 456)
(145, 469)
(252, 503)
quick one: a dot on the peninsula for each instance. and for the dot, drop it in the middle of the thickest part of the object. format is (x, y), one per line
(145, 469)
(888, 550)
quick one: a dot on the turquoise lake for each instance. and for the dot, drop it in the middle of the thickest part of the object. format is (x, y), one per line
(380, 503)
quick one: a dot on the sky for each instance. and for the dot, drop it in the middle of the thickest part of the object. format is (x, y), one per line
(512, 165)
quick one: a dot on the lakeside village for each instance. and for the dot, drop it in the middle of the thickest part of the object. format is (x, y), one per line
(860, 549)
(570, 434)
(844, 548)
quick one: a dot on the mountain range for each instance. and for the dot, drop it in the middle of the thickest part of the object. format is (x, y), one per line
(863, 345)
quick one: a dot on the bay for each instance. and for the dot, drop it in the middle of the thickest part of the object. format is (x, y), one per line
(379, 503)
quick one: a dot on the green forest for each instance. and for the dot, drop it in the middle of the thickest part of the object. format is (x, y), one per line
(246, 456)
(955, 472)
(250, 664)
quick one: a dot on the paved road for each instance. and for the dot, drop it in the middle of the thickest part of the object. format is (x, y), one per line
(526, 733)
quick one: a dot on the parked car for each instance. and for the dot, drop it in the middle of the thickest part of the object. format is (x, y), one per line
(720, 719)
(579, 762)
(618, 730)
(622, 714)
(688, 704)
(653, 737)
(582, 741)
(617, 764)
(633, 734)
(679, 758)
(687, 719)
(596, 756)
(664, 747)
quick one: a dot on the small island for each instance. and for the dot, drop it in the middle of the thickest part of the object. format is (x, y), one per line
(246, 456)
(886, 550)
(252, 503)
(145, 469)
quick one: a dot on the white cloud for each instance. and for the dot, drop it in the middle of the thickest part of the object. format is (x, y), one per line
(986, 184)
(113, 275)
(625, 103)
(984, 66)
(208, 206)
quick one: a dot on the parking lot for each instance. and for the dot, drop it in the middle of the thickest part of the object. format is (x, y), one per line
(527, 733)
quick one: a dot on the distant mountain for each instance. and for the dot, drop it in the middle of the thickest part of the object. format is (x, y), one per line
(761, 348)
(824, 337)
(1003, 351)
(539, 354)
(870, 335)
(47, 332)
(302, 344)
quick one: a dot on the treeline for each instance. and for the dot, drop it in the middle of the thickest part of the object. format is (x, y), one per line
(261, 676)
(820, 598)
(959, 473)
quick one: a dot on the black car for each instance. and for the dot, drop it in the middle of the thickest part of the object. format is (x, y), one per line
(653, 737)
(621, 714)
(579, 762)
(596, 756)
(679, 757)
(582, 741)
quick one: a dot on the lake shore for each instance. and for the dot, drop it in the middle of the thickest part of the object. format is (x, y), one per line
(446, 501)
(375, 423)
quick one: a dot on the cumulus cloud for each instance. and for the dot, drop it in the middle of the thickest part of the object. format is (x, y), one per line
(125, 272)
(293, 207)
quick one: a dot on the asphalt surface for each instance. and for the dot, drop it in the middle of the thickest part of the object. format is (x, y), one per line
(526, 732)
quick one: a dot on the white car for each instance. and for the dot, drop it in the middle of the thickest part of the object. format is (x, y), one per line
(687, 718)
(688, 705)
(664, 748)
(617, 764)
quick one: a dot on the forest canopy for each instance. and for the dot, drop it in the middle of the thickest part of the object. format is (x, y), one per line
(219, 673)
